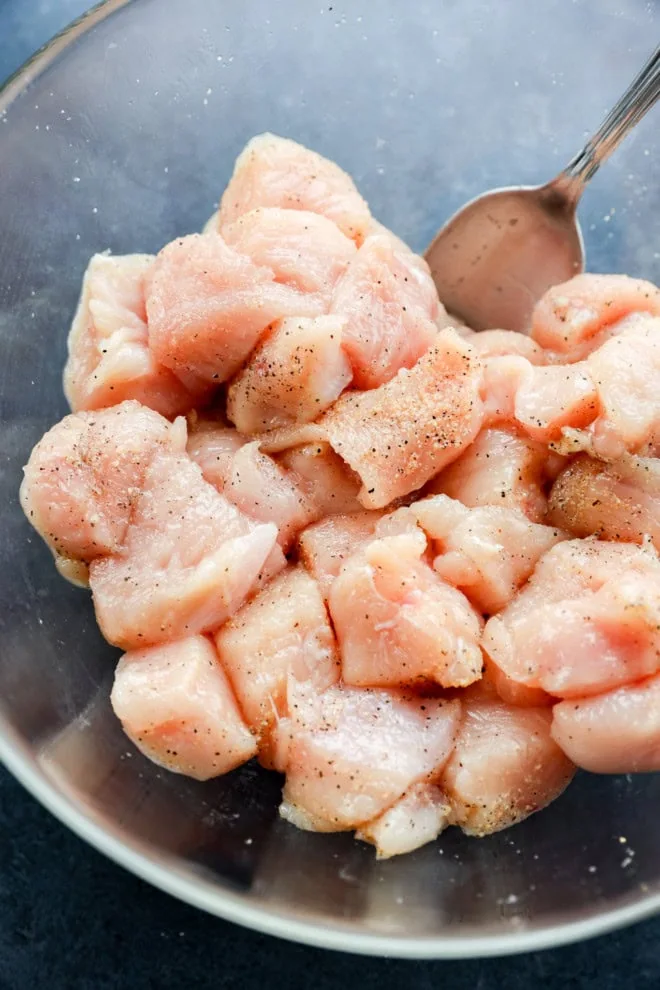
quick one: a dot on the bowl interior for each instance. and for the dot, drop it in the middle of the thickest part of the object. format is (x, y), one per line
(122, 136)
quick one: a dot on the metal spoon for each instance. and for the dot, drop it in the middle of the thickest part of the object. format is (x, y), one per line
(497, 256)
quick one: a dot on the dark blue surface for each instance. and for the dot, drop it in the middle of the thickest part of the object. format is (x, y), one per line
(71, 919)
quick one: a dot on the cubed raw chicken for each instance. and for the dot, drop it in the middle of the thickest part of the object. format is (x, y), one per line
(208, 305)
(397, 623)
(189, 560)
(324, 478)
(500, 467)
(502, 376)
(351, 753)
(415, 819)
(84, 476)
(176, 704)
(212, 444)
(398, 436)
(619, 501)
(588, 620)
(282, 632)
(390, 303)
(254, 482)
(502, 343)
(626, 372)
(302, 249)
(504, 767)
(265, 492)
(572, 318)
(547, 399)
(108, 347)
(295, 374)
(274, 171)
(325, 546)
(496, 683)
(615, 732)
(487, 552)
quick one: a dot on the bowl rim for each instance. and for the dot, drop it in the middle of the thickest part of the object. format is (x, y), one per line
(202, 893)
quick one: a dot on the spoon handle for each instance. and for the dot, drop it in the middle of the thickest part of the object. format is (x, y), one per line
(637, 99)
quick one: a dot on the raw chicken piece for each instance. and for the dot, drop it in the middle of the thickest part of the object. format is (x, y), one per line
(267, 493)
(327, 545)
(326, 480)
(212, 444)
(615, 732)
(274, 171)
(84, 475)
(501, 467)
(588, 620)
(399, 435)
(283, 631)
(175, 703)
(304, 250)
(296, 373)
(499, 343)
(397, 623)
(254, 482)
(189, 560)
(502, 376)
(505, 766)
(416, 818)
(626, 371)
(550, 398)
(570, 318)
(496, 683)
(619, 501)
(109, 358)
(487, 552)
(353, 752)
(207, 307)
(390, 304)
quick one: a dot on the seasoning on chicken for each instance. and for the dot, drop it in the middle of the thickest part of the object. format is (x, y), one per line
(325, 546)
(390, 304)
(188, 562)
(397, 623)
(295, 374)
(614, 732)
(398, 436)
(618, 501)
(417, 818)
(588, 620)
(487, 552)
(505, 766)
(208, 306)
(86, 472)
(500, 467)
(176, 704)
(353, 752)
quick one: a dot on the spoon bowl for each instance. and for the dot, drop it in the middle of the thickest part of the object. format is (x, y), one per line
(494, 259)
(497, 256)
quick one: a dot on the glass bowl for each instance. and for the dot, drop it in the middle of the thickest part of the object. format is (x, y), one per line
(121, 135)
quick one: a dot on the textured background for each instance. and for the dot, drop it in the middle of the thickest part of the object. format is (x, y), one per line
(71, 919)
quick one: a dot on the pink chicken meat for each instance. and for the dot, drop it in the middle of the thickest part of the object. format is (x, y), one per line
(412, 568)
